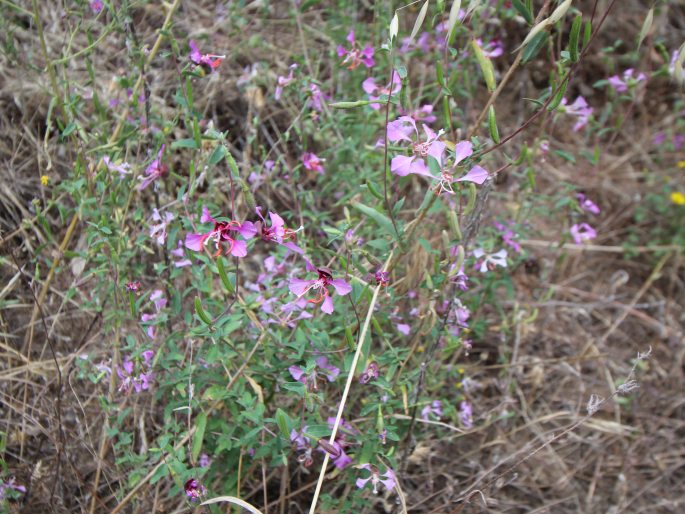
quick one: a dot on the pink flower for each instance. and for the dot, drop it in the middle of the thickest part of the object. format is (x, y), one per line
(375, 92)
(301, 287)
(96, 6)
(423, 114)
(476, 174)
(388, 479)
(586, 204)
(580, 109)
(123, 168)
(303, 447)
(277, 232)
(492, 49)
(466, 415)
(312, 162)
(283, 81)
(10, 485)
(159, 302)
(221, 233)
(154, 171)
(489, 261)
(371, 373)
(158, 230)
(508, 235)
(582, 232)
(354, 55)
(208, 62)
(403, 165)
(181, 260)
(622, 85)
(317, 97)
(130, 380)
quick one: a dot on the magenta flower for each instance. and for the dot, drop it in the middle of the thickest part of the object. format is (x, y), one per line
(194, 489)
(621, 85)
(466, 415)
(403, 165)
(284, 81)
(302, 446)
(336, 449)
(221, 233)
(388, 479)
(580, 109)
(158, 230)
(320, 285)
(375, 92)
(434, 408)
(277, 232)
(312, 162)
(154, 171)
(509, 235)
(586, 204)
(489, 261)
(582, 232)
(659, 138)
(354, 55)
(208, 62)
(204, 461)
(310, 379)
(316, 98)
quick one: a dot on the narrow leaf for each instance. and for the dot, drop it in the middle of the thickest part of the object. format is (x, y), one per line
(199, 435)
(419, 21)
(646, 27)
(559, 96)
(485, 66)
(523, 11)
(381, 219)
(394, 27)
(201, 312)
(574, 38)
(234, 500)
(283, 422)
(349, 105)
(492, 125)
(453, 18)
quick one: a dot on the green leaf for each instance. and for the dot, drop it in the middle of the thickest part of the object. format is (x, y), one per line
(523, 11)
(201, 312)
(224, 276)
(283, 422)
(184, 143)
(492, 125)
(381, 219)
(534, 46)
(198, 436)
(218, 154)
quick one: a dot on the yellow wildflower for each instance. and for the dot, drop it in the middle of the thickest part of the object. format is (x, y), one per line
(44, 179)
(678, 198)
(681, 164)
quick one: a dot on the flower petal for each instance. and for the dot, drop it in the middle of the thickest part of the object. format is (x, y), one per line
(341, 286)
(463, 150)
(477, 175)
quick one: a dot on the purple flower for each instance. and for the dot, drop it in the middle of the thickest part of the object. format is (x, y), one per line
(466, 415)
(8, 486)
(301, 287)
(154, 171)
(136, 381)
(310, 379)
(158, 300)
(508, 235)
(586, 204)
(317, 97)
(209, 62)
(402, 165)
(582, 232)
(370, 374)
(123, 168)
(204, 461)
(336, 449)
(277, 232)
(312, 162)
(96, 6)
(284, 81)
(489, 261)
(434, 408)
(621, 85)
(158, 230)
(388, 479)
(678, 141)
(221, 233)
(476, 174)
(375, 92)
(423, 114)
(354, 55)
(403, 328)
(659, 138)
(180, 256)
(492, 49)
(460, 278)
(580, 109)
(194, 489)
(302, 446)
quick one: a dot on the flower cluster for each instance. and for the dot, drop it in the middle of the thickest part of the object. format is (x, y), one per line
(136, 380)
(354, 56)
(583, 232)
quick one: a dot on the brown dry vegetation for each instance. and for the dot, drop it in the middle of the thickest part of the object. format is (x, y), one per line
(595, 307)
